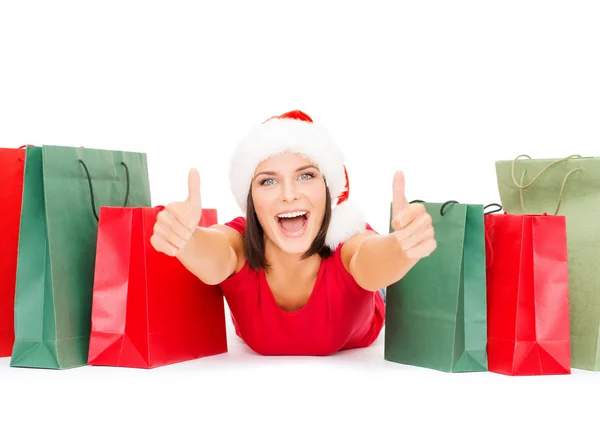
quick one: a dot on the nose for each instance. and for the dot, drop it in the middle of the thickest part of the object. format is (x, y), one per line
(289, 191)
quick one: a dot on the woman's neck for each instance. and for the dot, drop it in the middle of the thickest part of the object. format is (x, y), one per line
(290, 278)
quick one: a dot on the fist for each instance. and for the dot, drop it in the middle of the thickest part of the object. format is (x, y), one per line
(411, 223)
(175, 224)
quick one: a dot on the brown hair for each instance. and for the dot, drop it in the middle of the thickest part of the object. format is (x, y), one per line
(254, 240)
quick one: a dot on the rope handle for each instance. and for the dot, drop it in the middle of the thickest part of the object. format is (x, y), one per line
(442, 208)
(497, 210)
(488, 240)
(87, 172)
(489, 249)
(560, 194)
(522, 186)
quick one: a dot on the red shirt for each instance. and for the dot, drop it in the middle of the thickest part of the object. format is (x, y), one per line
(339, 315)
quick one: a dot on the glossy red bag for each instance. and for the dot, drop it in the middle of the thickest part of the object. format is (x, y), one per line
(12, 162)
(148, 310)
(527, 294)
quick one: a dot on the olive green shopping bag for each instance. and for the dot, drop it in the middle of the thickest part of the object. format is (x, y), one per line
(63, 189)
(568, 187)
(436, 314)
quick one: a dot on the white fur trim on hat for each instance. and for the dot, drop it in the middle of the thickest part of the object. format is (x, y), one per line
(346, 221)
(286, 135)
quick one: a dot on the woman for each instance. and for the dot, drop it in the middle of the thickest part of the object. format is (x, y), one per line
(300, 276)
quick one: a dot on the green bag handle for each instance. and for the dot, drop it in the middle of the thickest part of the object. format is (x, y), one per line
(87, 172)
(521, 186)
(442, 208)
(488, 242)
(445, 204)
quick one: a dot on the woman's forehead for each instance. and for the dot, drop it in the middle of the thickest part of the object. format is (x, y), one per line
(286, 161)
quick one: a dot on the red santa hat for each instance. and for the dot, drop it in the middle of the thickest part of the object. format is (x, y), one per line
(295, 132)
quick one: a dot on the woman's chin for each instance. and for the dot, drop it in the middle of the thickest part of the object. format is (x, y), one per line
(294, 246)
(297, 244)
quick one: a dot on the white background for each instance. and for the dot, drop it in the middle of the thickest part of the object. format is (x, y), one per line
(438, 89)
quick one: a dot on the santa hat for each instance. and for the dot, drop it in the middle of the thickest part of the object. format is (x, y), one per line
(295, 132)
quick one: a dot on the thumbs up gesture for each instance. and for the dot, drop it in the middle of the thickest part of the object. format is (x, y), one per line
(411, 223)
(175, 224)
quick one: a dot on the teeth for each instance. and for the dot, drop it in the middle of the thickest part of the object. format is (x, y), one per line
(289, 215)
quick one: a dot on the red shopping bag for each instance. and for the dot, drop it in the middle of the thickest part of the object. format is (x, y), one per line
(148, 310)
(527, 295)
(12, 162)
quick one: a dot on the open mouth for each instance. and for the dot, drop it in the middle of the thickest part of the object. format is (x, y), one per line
(293, 224)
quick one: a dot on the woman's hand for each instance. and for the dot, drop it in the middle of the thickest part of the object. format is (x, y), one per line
(411, 223)
(376, 261)
(176, 224)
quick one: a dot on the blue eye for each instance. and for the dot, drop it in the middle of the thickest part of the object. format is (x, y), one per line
(306, 176)
(266, 182)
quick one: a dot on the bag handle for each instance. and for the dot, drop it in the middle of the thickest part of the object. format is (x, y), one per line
(442, 208)
(445, 204)
(497, 205)
(521, 186)
(488, 241)
(87, 172)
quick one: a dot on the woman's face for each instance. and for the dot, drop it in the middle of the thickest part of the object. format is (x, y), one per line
(289, 197)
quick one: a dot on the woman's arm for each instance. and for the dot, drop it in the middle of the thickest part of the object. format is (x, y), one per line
(376, 261)
(212, 253)
(209, 253)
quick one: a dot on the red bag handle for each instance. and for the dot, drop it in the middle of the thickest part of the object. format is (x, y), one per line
(488, 241)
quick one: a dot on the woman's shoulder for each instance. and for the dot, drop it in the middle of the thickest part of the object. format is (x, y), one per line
(238, 224)
(233, 231)
(349, 247)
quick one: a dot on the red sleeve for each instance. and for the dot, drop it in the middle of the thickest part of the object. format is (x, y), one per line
(370, 228)
(238, 224)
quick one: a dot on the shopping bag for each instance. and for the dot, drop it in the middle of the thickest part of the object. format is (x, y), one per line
(12, 162)
(565, 187)
(148, 310)
(436, 314)
(63, 188)
(527, 294)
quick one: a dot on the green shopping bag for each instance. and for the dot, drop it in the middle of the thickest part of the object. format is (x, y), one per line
(62, 192)
(436, 314)
(569, 187)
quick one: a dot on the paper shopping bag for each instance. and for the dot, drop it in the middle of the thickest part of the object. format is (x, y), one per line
(12, 163)
(527, 294)
(63, 189)
(148, 309)
(566, 187)
(436, 314)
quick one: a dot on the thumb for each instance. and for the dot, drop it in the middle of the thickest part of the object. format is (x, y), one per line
(399, 201)
(193, 198)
